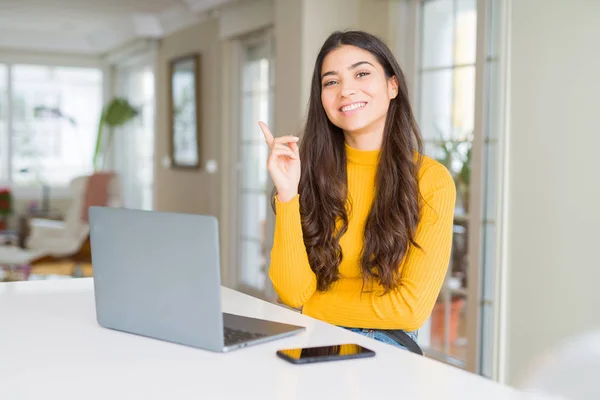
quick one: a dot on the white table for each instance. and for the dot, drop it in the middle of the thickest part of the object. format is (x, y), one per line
(52, 348)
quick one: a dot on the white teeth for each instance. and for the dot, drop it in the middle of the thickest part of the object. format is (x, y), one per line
(353, 106)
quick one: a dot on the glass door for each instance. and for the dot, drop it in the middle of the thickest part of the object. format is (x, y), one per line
(460, 108)
(253, 185)
(447, 120)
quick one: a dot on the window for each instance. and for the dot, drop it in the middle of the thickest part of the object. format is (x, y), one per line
(53, 120)
(446, 117)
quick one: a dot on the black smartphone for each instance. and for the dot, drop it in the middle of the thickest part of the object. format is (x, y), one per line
(325, 353)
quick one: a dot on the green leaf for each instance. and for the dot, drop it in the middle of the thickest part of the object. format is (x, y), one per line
(116, 113)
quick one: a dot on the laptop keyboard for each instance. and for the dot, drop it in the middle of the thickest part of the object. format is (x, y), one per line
(234, 336)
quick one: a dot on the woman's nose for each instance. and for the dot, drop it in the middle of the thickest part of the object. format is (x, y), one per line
(347, 91)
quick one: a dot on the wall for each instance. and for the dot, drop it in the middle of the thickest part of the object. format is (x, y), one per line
(319, 20)
(188, 190)
(288, 69)
(553, 212)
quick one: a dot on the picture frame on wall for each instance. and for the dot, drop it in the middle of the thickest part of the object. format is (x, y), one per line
(184, 111)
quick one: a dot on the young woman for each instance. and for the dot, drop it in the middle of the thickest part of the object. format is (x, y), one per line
(363, 227)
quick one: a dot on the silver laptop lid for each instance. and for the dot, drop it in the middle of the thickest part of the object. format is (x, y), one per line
(157, 274)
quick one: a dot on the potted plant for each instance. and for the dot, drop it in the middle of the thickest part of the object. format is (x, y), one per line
(116, 113)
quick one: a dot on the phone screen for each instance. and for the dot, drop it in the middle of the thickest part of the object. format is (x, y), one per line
(325, 353)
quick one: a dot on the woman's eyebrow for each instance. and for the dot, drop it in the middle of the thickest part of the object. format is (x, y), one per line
(355, 65)
(358, 64)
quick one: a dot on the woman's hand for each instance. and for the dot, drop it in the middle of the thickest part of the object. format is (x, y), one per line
(283, 163)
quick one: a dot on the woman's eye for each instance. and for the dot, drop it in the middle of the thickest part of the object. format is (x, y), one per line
(329, 83)
(361, 74)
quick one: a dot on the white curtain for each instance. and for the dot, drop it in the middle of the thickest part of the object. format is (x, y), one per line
(134, 143)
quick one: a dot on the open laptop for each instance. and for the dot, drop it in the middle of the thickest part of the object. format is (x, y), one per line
(157, 274)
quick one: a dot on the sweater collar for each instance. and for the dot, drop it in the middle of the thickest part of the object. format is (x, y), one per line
(364, 157)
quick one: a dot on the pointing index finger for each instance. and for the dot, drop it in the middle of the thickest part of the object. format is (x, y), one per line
(287, 139)
(267, 133)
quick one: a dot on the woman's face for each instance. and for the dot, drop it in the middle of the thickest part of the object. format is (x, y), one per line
(355, 91)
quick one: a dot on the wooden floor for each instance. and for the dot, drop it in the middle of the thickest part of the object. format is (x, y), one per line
(56, 269)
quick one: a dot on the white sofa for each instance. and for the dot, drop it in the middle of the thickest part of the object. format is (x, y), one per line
(59, 238)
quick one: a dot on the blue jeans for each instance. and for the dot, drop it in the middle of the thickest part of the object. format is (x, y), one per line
(381, 336)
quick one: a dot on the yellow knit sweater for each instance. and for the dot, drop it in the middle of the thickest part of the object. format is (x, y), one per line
(422, 270)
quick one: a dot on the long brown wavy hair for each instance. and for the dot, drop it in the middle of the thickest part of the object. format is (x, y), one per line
(324, 204)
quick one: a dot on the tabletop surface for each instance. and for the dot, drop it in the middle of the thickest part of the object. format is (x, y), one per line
(51, 347)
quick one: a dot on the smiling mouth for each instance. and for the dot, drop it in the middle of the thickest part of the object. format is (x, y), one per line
(353, 106)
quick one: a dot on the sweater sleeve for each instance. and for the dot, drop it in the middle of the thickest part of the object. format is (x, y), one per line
(422, 270)
(290, 272)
